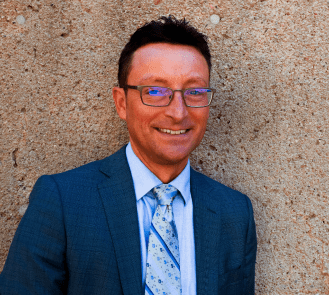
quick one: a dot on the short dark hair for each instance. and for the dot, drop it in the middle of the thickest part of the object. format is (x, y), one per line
(164, 30)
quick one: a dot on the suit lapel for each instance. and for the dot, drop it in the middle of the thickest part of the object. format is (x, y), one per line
(206, 231)
(118, 196)
(119, 200)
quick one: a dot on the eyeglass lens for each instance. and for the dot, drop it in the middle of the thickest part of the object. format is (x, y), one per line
(162, 95)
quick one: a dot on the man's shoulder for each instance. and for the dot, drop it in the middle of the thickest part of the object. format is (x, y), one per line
(220, 193)
(90, 173)
(212, 183)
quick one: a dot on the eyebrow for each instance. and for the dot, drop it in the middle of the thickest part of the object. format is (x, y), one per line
(156, 79)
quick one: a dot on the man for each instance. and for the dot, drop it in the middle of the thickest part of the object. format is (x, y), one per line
(141, 221)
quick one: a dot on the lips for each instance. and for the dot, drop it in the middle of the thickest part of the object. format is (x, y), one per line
(173, 132)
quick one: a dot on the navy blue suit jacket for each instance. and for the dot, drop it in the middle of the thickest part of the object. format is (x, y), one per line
(80, 235)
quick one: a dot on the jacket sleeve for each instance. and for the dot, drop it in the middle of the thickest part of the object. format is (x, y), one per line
(36, 259)
(250, 253)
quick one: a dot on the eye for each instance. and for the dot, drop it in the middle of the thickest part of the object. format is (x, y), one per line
(154, 92)
(197, 91)
(194, 92)
(157, 91)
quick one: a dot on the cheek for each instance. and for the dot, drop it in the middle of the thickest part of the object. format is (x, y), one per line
(133, 114)
(138, 120)
(202, 119)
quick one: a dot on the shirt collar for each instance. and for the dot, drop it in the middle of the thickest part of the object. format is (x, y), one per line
(144, 180)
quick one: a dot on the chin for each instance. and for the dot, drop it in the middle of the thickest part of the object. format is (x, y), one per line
(173, 157)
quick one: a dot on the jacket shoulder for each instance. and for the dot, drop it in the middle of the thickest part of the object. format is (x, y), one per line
(84, 179)
(221, 194)
(91, 173)
(214, 184)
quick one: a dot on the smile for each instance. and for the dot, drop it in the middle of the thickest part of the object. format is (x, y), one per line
(172, 131)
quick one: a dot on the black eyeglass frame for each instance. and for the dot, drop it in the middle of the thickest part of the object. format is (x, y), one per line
(140, 88)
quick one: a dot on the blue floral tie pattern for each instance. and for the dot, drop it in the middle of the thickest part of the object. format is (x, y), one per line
(162, 266)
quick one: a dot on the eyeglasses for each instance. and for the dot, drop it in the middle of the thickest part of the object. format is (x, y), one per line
(155, 96)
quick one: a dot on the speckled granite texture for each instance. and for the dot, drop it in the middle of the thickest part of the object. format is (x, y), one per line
(268, 130)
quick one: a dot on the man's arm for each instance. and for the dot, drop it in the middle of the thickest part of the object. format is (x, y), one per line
(36, 259)
(250, 253)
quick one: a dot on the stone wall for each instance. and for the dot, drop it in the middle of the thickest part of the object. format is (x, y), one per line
(268, 130)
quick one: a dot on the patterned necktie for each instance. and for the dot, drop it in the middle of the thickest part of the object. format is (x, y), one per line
(162, 266)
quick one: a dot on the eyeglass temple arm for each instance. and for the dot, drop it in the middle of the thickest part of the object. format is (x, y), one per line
(130, 87)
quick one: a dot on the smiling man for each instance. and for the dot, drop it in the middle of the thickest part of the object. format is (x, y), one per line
(163, 129)
(141, 221)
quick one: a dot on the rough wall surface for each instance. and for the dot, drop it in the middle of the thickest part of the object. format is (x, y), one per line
(267, 135)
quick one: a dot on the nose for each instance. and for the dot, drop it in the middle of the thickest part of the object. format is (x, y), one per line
(177, 108)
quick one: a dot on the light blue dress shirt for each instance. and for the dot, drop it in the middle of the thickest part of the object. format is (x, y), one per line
(144, 180)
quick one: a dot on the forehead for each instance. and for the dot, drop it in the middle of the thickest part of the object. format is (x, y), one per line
(167, 61)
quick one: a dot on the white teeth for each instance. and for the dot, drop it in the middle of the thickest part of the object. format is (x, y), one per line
(172, 131)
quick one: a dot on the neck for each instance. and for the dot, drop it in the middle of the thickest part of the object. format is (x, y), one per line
(166, 172)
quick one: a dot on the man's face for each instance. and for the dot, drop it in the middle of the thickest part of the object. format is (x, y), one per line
(177, 67)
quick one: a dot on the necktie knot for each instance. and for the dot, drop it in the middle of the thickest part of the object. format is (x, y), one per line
(165, 193)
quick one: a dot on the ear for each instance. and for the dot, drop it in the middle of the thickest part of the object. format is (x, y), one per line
(119, 97)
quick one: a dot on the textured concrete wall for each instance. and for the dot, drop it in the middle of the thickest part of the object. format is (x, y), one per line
(268, 130)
